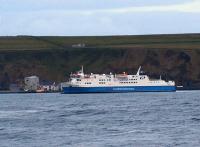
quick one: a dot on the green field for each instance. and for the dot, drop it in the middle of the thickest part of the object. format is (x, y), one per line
(185, 41)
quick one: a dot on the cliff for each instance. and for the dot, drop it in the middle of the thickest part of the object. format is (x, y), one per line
(175, 57)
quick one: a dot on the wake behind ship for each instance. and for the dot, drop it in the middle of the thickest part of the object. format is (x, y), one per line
(115, 83)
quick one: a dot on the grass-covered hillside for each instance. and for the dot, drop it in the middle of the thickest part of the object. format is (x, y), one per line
(176, 57)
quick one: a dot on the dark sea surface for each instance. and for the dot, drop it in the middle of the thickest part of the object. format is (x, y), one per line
(98, 120)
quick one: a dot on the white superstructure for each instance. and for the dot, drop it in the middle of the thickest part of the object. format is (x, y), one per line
(80, 79)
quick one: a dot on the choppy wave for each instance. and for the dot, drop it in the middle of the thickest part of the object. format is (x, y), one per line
(134, 119)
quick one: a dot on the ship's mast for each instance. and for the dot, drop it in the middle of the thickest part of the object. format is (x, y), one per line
(138, 72)
(82, 69)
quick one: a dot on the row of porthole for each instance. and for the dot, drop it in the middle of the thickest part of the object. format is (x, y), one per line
(104, 80)
(132, 79)
(128, 82)
(88, 83)
(102, 83)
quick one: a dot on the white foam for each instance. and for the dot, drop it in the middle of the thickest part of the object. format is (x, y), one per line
(14, 114)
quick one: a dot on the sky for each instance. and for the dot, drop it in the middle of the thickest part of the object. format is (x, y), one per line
(98, 17)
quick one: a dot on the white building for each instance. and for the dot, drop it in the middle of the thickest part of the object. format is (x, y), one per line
(31, 83)
(80, 45)
(50, 88)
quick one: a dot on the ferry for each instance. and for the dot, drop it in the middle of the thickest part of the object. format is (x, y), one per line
(115, 83)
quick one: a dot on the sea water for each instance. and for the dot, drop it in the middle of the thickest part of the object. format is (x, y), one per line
(98, 120)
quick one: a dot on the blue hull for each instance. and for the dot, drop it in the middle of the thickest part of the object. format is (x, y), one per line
(74, 90)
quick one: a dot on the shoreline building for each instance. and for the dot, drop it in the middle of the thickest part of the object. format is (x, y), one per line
(31, 83)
